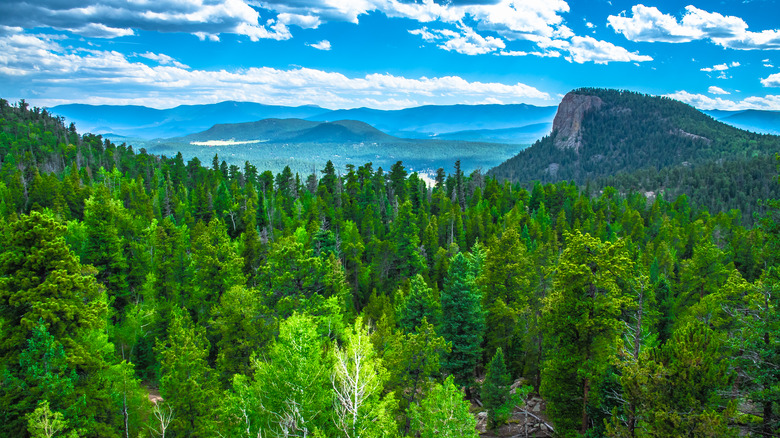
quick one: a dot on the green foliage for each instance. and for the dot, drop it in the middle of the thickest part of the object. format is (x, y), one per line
(581, 318)
(187, 382)
(293, 387)
(464, 324)
(443, 413)
(358, 380)
(495, 391)
(413, 364)
(421, 303)
(237, 292)
(43, 423)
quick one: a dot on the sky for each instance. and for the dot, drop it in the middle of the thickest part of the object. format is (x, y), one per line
(387, 54)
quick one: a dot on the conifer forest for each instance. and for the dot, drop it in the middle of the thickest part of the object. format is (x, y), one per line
(149, 296)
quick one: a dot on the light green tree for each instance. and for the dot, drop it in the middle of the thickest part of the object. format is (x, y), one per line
(293, 386)
(443, 413)
(581, 319)
(187, 382)
(358, 381)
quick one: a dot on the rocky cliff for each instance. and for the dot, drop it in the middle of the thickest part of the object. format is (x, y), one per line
(567, 124)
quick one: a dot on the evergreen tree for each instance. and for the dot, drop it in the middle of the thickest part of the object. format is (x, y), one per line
(581, 319)
(420, 303)
(495, 391)
(463, 324)
(187, 381)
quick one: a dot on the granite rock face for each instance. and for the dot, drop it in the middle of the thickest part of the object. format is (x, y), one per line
(568, 119)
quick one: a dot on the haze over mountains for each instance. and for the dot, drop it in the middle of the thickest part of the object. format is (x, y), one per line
(519, 124)
(512, 124)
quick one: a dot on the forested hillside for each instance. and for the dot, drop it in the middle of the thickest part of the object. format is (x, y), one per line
(360, 302)
(600, 133)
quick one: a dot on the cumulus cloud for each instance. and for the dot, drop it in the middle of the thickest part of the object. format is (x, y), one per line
(648, 23)
(33, 64)
(589, 49)
(720, 67)
(771, 81)
(494, 24)
(717, 90)
(490, 24)
(466, 41)
(162, 59)
(700, 101)
(116, 18)
(322, 45)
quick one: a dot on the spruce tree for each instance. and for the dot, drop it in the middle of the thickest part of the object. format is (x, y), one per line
(464, 322)
(495, 391)
(420, 303)
(187, 382)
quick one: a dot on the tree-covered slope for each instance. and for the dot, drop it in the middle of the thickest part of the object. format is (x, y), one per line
(366, 302)
(598, 132)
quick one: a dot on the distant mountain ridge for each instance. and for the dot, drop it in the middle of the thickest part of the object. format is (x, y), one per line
(434, 120)
(149, 123)
(426, 122)
(761, 121)
(292, 131)
(598, 133)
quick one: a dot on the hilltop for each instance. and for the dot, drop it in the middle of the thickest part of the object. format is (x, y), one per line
(598, 133)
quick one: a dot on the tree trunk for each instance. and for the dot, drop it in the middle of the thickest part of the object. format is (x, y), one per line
(585, 394)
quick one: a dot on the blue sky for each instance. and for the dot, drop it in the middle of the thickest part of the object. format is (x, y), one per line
(387, 54)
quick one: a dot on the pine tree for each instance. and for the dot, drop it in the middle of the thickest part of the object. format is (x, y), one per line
(495, 391)
(463, 324)
(41, 279)
(407, 241)
(505, 283)
(420, 303)
(187, 381)
(581, 319)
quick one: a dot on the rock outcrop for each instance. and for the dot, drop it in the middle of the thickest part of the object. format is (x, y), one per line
(568, 119)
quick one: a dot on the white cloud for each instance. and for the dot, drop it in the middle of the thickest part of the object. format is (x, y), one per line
(488, 24)
(425, 34)
(700, 101)
(717, 90)
(547, 54)
(717, 67)
(771, 81)
(588, 49)
(466, 41)
(115, 18)
(163, 59)
(322, 45)
(34, 64)
(651, 25)
(538, 21)
(302, 21)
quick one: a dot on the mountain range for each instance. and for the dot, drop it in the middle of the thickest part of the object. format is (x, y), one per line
(514, 124)
(517, 124)
(761, 121)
